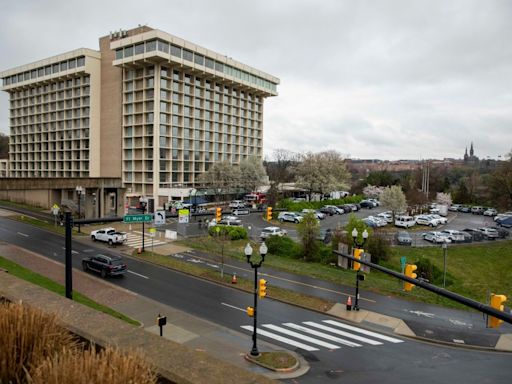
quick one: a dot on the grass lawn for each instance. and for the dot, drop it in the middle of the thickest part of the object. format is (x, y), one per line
(37, 279)
(474, 270)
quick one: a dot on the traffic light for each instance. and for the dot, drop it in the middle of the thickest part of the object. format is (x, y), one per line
(269, 213)
(262, 291)
(250, 311)
(218, 214)
(409, 272)
(358, 252)
(497, 303)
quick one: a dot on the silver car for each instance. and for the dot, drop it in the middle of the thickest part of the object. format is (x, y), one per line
(436, 237)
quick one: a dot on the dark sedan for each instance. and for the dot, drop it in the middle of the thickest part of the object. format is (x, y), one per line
(475, 233)
(403, 238)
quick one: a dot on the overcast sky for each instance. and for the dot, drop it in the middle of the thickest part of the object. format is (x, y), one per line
(388, 79)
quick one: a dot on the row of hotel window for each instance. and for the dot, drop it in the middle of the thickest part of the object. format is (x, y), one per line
(47, 70)
(51, 87)
(192, 57)
(175, 154)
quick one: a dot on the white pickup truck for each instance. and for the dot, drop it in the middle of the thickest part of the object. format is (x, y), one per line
(109, 235)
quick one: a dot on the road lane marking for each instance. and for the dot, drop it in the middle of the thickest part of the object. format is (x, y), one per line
(342, 333)
(22, 234)
(321, 334)
(232, 306)
(138, 274)
(300, 336)
(72, 251)
(282, 339)
(290, 281)
(364, 331)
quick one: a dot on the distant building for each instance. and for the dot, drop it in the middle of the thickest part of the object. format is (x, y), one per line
(471, 158)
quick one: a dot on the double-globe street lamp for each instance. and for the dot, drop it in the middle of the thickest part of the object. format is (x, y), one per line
(358, 245)
(255, 264)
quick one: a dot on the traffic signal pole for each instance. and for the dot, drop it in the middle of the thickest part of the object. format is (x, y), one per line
(487, 309)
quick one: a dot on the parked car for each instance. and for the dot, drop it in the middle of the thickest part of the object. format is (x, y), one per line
(272, 231)
(440, 219)
(455, 207)
(367, 204)
(490, 212)
(475, 234)
(426, 220)
(502, 232)
(501, 216)
(489, 233)
(233, 221)
(505, 222)
(328, 211)
(375, 201)
(468, 237)
(337, 210)
(348, 207)
(465, 209)
(381, 222)
(435, 237)
(355, 207)
(370, 223)
(237, 204)
(405, 221)
(325, 235)
(241, 211)
(109, 235)
(319, 215)
(477, 210)
(386, 216)
(403, 238)
(290, 216)
(454, 235)
(105, 265)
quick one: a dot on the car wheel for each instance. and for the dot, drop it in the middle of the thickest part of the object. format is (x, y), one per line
(84, 266)
(103, 273)
(296, 221)
(109, 241)
(431, 225)
(281, 220)
(93, 238)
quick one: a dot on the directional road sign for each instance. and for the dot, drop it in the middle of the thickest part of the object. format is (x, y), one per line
(159, 217)
(137, 218)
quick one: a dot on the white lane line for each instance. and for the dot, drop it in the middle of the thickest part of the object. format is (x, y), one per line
(321, 334)
(232, 306)
(282, 339)
(212, 265)
(300, 336)
(342, 333)
(138, 274)
(22, 234)
(72, 251)
(364, 331)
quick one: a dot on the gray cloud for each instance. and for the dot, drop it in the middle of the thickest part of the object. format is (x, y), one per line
(374, 79)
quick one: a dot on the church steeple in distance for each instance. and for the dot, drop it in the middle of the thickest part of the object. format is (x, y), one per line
(471, 152)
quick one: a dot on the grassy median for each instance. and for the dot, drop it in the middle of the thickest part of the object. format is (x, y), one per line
(42, 281)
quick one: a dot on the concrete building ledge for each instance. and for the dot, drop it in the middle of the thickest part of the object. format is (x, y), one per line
(174, 362)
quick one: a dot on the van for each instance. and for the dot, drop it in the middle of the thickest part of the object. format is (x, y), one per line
(405, 221)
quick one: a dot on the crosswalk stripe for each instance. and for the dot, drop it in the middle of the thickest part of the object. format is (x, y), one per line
(364, 331)
(321, 334)
(300, 336)
(282, 339)
(342, 333)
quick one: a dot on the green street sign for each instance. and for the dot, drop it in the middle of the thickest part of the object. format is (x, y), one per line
(137, 218)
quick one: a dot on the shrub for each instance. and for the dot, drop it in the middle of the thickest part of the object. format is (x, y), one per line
(378, 247)
(324, 254)
(228, 232)
(432, 273)
(27, 338)
(106, 366)
(283, 246)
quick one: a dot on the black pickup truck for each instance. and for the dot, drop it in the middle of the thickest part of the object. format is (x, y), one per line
(105, 265)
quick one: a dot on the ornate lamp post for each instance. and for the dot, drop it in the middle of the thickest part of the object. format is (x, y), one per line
(255, 264)
(79, 191)
(358, 245)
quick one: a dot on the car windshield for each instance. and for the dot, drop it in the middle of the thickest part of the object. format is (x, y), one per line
(117, 262)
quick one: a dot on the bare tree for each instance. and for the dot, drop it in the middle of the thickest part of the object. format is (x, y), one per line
(322, 172)
(280, 166)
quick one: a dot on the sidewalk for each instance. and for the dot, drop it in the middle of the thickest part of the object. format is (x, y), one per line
(182, 328)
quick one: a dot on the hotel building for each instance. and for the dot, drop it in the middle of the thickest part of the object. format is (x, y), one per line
(149, 112)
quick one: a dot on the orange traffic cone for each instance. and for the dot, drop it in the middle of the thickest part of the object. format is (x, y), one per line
(349, 303)
(233, 278)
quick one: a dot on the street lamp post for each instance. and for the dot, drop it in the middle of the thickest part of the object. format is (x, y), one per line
(255, 265)
(79, 191)
(143, 201)
(360, 245)
(445, 251)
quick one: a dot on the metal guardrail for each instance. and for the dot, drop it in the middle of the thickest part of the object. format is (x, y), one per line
(487, 309)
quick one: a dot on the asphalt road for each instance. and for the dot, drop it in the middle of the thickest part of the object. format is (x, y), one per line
(376, 359)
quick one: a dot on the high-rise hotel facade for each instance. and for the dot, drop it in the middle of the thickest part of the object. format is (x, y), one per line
(149, 109)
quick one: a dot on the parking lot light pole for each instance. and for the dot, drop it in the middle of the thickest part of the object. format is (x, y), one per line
(358, 245)
(143, 201)
(79, 191)
(255, 265)
(445, 251)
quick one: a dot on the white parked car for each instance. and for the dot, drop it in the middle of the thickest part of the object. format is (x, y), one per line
(386, 216)
(455, 207)
(454, 235)
(319, 215)
(436, 237)
(290, 216)
(489, 233)
(381, 222)
(426, 220)
(490, 212)
(405, 221)
(237, 204)
(440, 219)
(272, 231)
(230, 220)
(109, 235)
